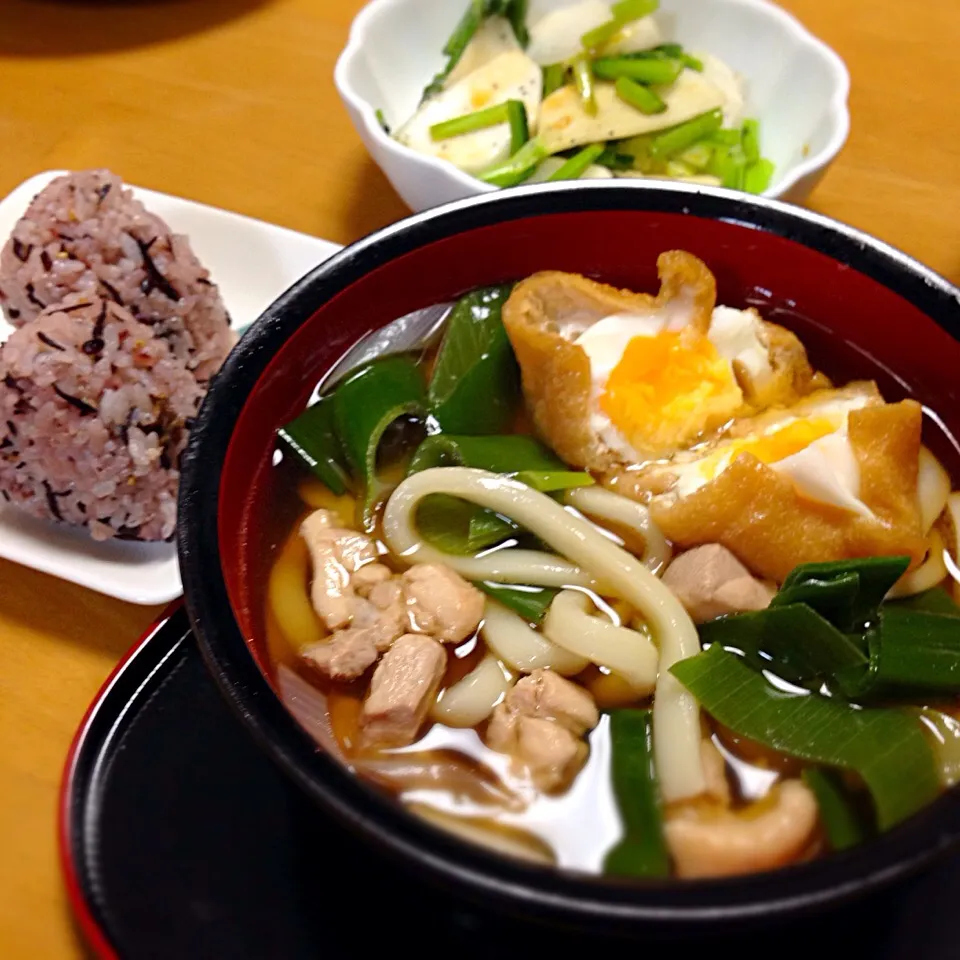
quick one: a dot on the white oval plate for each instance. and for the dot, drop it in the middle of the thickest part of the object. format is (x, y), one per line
(253, 263)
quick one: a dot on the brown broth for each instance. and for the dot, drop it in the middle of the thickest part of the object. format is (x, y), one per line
(547, 823)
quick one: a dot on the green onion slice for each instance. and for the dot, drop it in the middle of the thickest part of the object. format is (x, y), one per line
(577, 165)
(885, 747)
(642, 852)
(841, 823)
(512, 112)
(583, 80)
(664, 145)
(520, 166)
(653, 71)
(532, 603)
(475, 387)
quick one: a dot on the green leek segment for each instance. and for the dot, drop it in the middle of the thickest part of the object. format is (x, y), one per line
(885, 747)
(531, 603)
(642, 851)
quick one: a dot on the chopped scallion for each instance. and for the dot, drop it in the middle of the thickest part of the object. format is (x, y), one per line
(750, 140)
(512, 112)
(757, 177)
(642, 852)
(625, 11)
(615, 158)
(837, 814)
(697, 157)
(576, 166)
(638, 96)
(516, 13)
(453, 50)
(731, 166)
(554, 77)
(599, 37)
(725, 138)
(583, 78)
(886, 747)
(531, 603)
(660, 72)
(684, 135)
(312, 438)
(553, 481)
(691, 62)
(672, 50)
(520, 166)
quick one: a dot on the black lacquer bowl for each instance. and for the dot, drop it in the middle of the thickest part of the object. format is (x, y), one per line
(889, 314)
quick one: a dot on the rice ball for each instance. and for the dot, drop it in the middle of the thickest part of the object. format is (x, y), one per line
(95, 411)
(85, 233)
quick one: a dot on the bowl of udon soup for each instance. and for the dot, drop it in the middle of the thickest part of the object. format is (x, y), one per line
(591, 550)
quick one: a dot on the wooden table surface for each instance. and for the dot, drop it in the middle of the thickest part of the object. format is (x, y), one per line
(231, 102)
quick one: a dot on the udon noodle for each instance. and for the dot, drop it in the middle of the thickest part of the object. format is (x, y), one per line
(610, 571)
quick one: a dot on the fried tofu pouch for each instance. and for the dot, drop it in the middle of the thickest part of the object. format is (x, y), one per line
(760, 517)
(548, 311)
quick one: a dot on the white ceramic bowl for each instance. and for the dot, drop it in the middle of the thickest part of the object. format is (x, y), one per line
(797, 86)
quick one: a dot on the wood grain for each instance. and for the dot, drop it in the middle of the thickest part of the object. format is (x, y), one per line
(231, 102)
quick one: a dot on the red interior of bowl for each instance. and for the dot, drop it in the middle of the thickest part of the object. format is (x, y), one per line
(850, 323)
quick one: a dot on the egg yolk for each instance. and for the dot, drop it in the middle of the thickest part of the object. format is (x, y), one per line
(769, 448)
(669, 389)
(788, 440)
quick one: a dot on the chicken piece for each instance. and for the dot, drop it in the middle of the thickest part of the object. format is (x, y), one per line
(710, 841)
(388, 594)
(711, 582)
(382, 626)
(441, 603)
(541, 722)
(346, 656)
(350, 652)
(335, 555)
(403, 688)
(548, 696)
(368, 578)
(552, 754)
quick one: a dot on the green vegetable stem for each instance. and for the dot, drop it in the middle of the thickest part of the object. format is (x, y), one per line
(666, 144)
(583, 80)
(364, 406)
(531, 603)
(885, 747)
(638, 96)
(478, 10)
(511, 112)
(652, 71)
(312, 438)
(844, 828)
(475, 387)
(622, 13)
(577, 165)
(520, 166)
(642, 852)
(554, 77)
(458, 527)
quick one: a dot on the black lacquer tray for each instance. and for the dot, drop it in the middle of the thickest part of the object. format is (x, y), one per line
(180, 840)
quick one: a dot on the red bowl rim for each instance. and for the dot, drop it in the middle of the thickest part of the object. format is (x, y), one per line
(546, 893)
